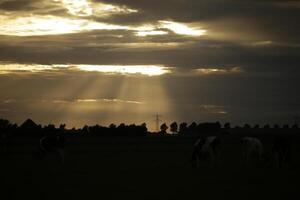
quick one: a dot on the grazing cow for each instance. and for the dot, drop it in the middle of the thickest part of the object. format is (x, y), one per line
(52, 144)
(252, 150)
(206, 148)
(281, 151)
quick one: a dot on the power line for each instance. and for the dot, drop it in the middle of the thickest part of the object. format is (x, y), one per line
(157, 121)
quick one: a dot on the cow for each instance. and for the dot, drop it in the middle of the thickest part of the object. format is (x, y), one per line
(281, 151)
(52, 144)
(206, 149)
(252, 150)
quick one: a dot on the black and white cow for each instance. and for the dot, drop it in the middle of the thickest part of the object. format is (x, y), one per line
(252, 150)
(281, 151)
(50, 145)
(206, 149)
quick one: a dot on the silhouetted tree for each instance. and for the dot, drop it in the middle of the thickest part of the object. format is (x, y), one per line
(122, 129)
(121, 126)
(49, 128)
(247, 126)
(174, 128)
(295, 126)
(267, 126)
(112, 126)
(227, 125)
(163, 128)
(113, 130)
(4, 125)
(85, 129)
(62, 127)
(144, 127)
(276, 126)
(6, 131)
(183, 128)
(192, 127)
(286, 126)
(29, 128)
(218, 125)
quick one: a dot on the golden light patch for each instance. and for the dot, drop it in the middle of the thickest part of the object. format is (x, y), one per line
(214, 109)
(182, 29)
(211, 71)
(107, 100)
(177, 28)
(262, 43)
(149, 70)
(105, 10)
(147, 33)
(78, 7)
(148, 30)
(83, 8)
(6, 68)
(50, 25)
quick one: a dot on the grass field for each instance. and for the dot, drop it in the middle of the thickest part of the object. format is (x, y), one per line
(149, 167)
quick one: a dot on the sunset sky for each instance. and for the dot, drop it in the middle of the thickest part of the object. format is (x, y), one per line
(111, 61)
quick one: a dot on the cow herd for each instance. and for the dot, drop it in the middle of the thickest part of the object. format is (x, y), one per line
(210, 150)
(206, 149)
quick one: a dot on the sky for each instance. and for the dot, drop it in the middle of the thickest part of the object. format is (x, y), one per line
(111, 61)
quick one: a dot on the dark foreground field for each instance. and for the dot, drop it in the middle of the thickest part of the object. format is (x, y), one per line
(141, 168)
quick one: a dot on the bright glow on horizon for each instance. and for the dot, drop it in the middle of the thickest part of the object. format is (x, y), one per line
(147, 33)
(149, 70)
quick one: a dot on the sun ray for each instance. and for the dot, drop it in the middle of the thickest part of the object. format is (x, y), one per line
(143, 90)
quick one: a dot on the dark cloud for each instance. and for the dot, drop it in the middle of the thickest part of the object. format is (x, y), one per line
(256, 18)
(270, 59)
(16, 5)
(31, 7)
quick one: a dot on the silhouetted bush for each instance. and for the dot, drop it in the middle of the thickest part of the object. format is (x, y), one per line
(183, 128)
(174, 127)
(30, 128)
(163, 128)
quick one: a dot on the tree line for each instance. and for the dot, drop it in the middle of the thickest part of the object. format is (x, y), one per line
(30, 128)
